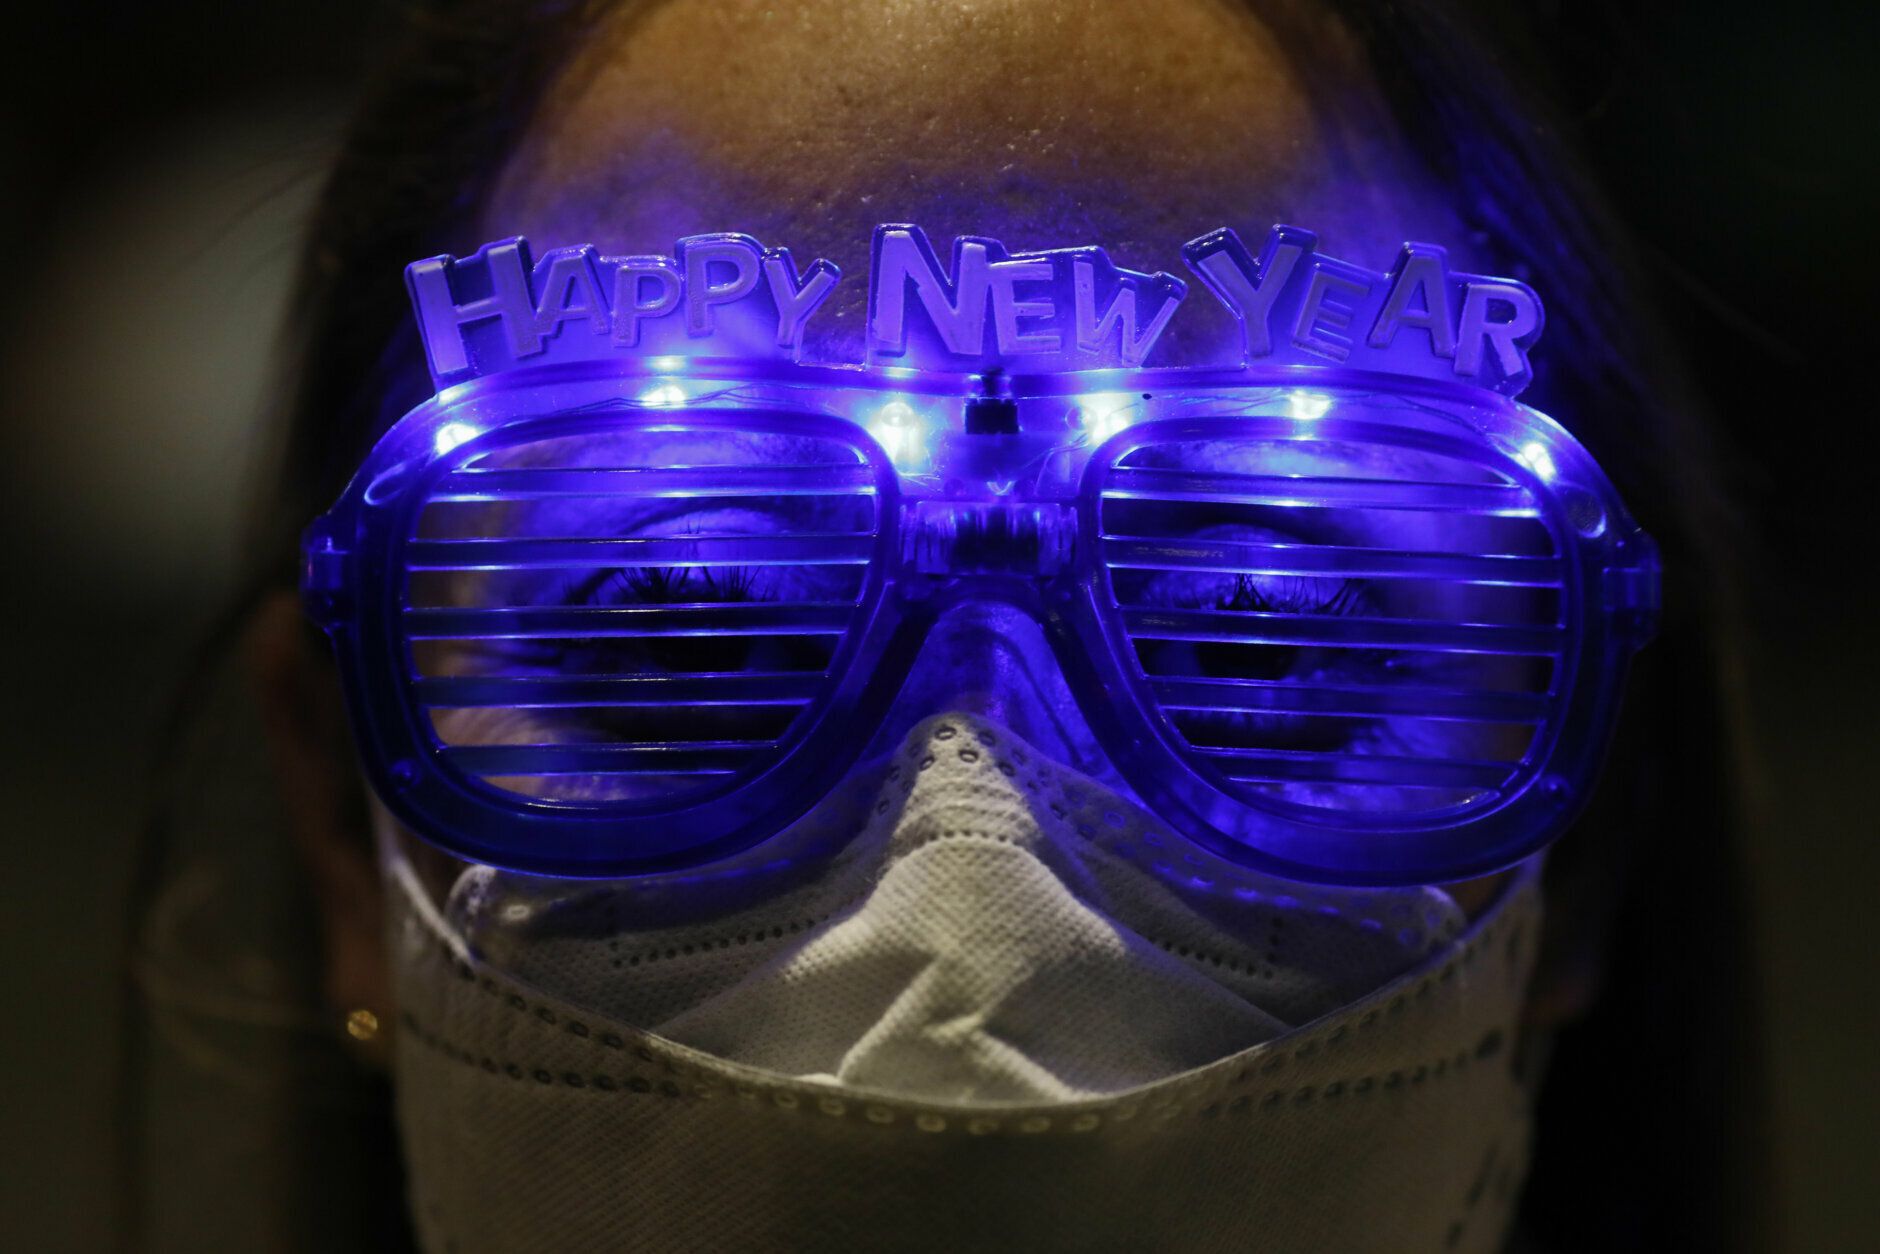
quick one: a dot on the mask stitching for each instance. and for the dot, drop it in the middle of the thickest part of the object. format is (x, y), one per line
(1489, 1045)
(1461, 961)
(1402, 1080)
(1497, 1167)
(1264, 967)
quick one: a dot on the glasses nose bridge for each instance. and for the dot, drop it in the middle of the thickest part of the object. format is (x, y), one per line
(1030, 540)
(1019, 553)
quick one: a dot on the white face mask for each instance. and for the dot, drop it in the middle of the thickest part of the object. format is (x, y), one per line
(1013, 1012)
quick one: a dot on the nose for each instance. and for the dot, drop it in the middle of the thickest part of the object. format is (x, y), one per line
(994, 660)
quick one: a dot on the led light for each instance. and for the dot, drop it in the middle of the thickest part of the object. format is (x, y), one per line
(897, 414)
(1106, 549)
(451, 434)
(1103, 414)
(1537, 459)
(901, 434)
(1307, 405)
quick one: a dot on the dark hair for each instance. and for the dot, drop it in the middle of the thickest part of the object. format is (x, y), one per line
(444, 105)
(1650, 1118)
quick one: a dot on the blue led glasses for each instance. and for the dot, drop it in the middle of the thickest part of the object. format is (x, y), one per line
(606, 607)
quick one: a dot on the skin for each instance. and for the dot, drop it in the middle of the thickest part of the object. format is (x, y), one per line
(1133, 126)
(1039, 123)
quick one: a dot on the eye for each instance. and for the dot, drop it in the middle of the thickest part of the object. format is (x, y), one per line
(674, 587)
(1338, 624)
(1244, 593)
(1260, 596)
(638, 613)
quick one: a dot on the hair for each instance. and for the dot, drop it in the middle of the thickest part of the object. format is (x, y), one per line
(1649, 1122)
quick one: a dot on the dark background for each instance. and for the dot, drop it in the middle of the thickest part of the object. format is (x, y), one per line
(159, 160)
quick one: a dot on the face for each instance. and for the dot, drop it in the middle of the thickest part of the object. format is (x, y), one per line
(1131, 127)
(947, 953)
(1134, 127)
(1037, 123)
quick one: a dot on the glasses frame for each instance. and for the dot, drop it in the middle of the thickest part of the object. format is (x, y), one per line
(354, 584)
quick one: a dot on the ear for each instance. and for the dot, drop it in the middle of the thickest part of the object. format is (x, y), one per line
(297, 690)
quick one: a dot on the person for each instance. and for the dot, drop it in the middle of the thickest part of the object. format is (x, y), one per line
(1010, 1104)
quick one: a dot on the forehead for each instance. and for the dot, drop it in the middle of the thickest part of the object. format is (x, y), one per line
(1132, 126)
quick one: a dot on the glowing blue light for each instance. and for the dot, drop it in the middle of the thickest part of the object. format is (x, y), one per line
(901, 434)
(1103, 414)
(451, 434)
(1307, 405)
(1537, 459)
(567, 415)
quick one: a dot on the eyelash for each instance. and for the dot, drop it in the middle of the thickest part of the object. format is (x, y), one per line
(667, 585)
(1248, 596)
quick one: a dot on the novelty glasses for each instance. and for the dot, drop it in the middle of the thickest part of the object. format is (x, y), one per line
(603, 608)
